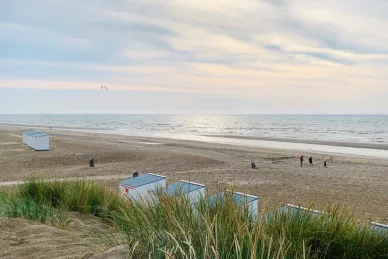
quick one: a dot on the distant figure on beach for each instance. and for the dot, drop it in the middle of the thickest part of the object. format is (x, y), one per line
(301, 160)
(324, 164)
(311, 161)
(253, 165)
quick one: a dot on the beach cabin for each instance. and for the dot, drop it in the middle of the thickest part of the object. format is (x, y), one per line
(41, 142)
(293, 209)
(380, 227)
(37, 140)
(191, 190)
(296, 209)
(240, 199)
(141, 187)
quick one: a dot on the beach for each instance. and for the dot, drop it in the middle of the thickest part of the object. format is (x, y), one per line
(360, 183)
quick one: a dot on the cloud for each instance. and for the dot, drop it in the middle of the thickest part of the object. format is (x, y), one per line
(18, 33)
(332, 50)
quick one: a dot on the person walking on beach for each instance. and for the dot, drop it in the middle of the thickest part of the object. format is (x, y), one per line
(324, 164)
(311, 161)
(301, 161)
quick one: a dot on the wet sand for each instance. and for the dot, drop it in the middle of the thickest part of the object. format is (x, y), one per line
(360, 183)
(379, 146)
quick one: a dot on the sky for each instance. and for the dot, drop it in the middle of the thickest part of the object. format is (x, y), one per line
(194, 56)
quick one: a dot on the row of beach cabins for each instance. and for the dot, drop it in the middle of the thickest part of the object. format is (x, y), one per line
(36, 140)
(143, 187)
(146, 185)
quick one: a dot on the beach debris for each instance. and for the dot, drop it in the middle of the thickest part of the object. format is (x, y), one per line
(104, 87)
(91, 162)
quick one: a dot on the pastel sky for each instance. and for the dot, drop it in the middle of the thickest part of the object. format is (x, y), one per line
(194, 56)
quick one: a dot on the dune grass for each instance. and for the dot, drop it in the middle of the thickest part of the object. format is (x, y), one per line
(176, 229)
(171, 227)
(79, 196)
(14, 206)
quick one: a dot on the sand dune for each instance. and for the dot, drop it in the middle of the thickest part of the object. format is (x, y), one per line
(25, 239)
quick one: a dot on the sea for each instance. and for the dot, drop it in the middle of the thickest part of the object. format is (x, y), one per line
(371, 129)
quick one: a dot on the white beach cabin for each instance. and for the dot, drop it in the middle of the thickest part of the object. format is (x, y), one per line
(191, 190)
(41, 142)
(140, 187)
(37, 140)
(240, 199)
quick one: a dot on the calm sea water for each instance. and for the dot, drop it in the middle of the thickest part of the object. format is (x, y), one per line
(350, 128)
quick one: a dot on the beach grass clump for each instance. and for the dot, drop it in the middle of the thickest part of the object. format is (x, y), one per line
(174, 228)
(333, 234)
(13, 206)
(80, 196)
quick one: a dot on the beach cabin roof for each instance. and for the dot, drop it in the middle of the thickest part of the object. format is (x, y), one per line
(239, 198)
(41, 134)
(33, 133)
(297, 209)
(36, 133)
(143, 179)
(183, 187)
(293, 209)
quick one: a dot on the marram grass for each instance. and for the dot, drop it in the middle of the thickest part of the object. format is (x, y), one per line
(171, 227)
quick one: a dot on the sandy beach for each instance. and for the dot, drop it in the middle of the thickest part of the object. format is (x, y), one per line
(360, 183)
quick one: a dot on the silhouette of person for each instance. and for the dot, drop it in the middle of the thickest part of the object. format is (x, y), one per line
(311, 161)
(253, 165)
(301, 160)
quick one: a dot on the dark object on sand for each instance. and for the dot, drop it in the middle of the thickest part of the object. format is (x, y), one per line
(135, 174)
(324, 163)
(311, 160)
(253, 165)
(91, 162)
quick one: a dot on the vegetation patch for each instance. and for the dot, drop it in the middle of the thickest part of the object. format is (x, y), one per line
(171, 227)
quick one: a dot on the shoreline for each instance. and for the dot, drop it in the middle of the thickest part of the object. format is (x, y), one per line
(351, 149)
(308, 141)
(335, 143)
